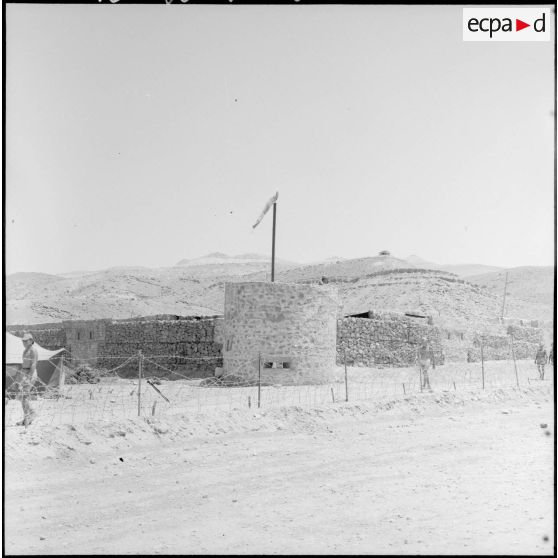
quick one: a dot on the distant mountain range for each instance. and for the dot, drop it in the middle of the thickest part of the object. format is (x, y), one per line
(459, 294)
(218, 258)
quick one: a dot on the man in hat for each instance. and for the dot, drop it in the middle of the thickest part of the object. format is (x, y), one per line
(425, 357)
(27, 377)
(540, 360)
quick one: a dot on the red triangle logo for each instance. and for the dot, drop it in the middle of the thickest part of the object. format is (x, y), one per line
(519, 25)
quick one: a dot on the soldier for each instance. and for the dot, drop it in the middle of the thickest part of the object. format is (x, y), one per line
(425, 357)
(540, 360)
(26, 378)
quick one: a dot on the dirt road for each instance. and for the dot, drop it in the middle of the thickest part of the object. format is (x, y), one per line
(421, 476)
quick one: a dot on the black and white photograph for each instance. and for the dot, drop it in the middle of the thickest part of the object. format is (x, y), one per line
(279, 278)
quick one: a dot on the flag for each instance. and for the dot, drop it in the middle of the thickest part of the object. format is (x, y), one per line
(266, 209)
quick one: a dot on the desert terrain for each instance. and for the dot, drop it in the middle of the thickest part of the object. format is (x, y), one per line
(376, 465)
(462, 295)
(461, 470)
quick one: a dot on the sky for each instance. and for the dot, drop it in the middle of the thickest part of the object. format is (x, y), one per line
(145, 134)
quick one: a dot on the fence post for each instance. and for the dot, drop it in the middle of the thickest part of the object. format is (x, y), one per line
(404, 392)
(140, 373)
(332, 396)
(514, 363)
(62, 376)
(259, 377)
(419, 367)
(482, 362)
(346, 382)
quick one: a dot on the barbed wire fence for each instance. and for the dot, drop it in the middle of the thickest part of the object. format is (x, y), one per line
(164, 385)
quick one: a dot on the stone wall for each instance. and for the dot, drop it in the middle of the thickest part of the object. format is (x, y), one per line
(544, 324)
(526, 340)
(495, 346)
(85, 339)
(49, 336)
(184, 346)
(457, 343)
(390, 340)
(291, 323)
(384, 341)
(291, 326)
(180, 346)
(523, 334)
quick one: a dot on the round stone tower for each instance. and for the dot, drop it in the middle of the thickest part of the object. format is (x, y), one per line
(287, 331)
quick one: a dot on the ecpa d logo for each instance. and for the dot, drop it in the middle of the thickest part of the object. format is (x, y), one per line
(506, 24)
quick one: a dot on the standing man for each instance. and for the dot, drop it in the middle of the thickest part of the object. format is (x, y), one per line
(425, 358)
(27, 377)
(551, 355)
(540, 360)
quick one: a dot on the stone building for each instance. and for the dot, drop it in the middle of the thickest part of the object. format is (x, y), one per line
(297, 328)
(285, 332)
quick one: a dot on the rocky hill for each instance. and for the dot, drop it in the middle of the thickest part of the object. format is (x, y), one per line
(221, 265)
(532, 284)
(463, 270)
(339, 269)
(450, 300)
(196, 287)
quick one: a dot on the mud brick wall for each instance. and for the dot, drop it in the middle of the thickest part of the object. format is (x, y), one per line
(49, 336)
(282, 322)
(389, 341)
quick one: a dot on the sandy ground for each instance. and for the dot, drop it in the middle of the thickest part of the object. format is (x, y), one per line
(443, 473)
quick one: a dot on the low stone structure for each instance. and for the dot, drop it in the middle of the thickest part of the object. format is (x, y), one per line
(302, 324)
(286, 332)
(181, 346)
(51, 336)
(384, 341)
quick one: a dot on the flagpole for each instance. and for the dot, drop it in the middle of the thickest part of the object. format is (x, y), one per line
(273, 244)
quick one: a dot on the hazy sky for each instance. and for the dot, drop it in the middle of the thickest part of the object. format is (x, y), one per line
(141, 135)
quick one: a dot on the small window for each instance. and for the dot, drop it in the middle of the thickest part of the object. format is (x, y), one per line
(78, 335)
(90, 335)
(280, 364)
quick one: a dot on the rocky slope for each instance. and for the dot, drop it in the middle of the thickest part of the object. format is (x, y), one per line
(532, 284)
(196, 287)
